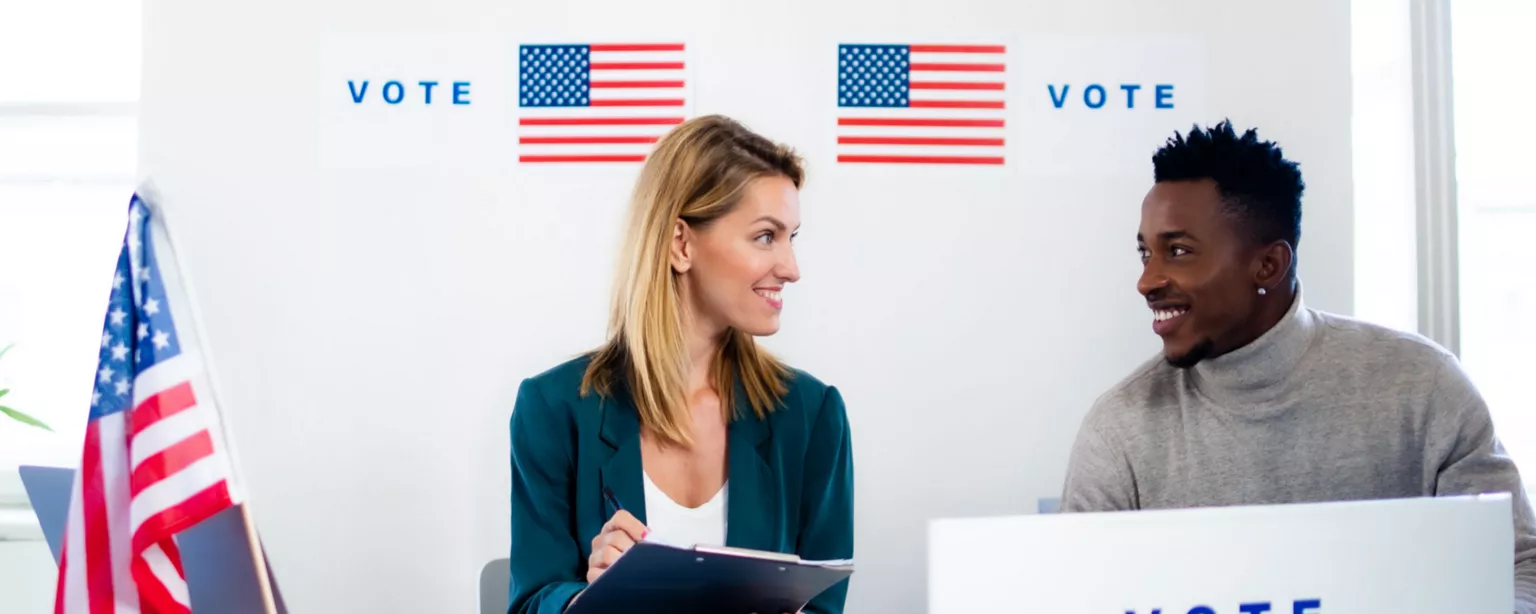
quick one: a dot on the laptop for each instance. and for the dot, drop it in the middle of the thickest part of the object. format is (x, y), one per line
(216, 557)
(48, 489)
(1406, 556)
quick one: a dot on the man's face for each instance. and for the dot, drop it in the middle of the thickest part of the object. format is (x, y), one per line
(1197, 272)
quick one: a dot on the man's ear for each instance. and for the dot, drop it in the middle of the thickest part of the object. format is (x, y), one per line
(681, 252)
(1273, 264)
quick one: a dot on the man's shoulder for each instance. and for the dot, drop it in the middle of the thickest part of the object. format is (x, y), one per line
(1145, 390)
(1398, 364)
(1378, 346)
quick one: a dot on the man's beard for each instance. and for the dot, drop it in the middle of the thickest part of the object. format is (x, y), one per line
(1201, 351)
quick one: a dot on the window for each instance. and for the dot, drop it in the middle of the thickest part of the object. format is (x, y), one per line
(1496, 293)
(69, 87)
(1491, 59)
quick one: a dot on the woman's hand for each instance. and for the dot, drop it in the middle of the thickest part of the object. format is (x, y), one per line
(621, 532)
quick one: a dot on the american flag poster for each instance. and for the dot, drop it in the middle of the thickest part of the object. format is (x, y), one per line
(154, 461)
(921, 104)
(598, 102)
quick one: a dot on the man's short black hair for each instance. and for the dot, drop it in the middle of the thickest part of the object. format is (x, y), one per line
(1257, 184)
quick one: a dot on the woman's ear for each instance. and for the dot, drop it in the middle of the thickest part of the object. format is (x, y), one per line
(682, 247)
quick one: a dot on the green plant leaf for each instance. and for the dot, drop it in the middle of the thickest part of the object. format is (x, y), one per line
(6, 349)
(2, 392)
(23, 418)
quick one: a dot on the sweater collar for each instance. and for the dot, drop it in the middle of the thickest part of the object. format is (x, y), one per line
(1257, 372)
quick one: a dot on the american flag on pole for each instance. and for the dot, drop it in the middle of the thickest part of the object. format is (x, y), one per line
(154, 461)
(598, 102)
(921, 104)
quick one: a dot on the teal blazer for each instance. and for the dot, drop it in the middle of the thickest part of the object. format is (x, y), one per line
(791, 480)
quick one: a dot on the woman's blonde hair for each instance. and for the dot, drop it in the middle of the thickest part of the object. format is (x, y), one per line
(697, 173)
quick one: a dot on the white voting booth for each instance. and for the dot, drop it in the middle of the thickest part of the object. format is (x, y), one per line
(1410, 556)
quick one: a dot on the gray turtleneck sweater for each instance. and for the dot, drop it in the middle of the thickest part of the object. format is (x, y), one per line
(1320, 408)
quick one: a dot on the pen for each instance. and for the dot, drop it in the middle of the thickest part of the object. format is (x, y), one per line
(618, 507)
(612, 500)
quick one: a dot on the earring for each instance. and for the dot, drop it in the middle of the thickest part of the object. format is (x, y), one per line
(1262, 292)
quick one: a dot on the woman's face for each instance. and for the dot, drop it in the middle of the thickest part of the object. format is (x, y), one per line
(734, 269)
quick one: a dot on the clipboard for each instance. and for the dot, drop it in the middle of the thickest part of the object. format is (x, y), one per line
(655, 578)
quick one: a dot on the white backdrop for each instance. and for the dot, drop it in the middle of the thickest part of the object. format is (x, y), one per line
(376, 288)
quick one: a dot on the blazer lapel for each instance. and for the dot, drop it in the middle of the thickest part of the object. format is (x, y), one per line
(622, 471)
(752, 509)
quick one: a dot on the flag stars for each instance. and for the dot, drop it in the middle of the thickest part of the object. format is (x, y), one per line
(553, 76)
(139, 332)
(873, 76)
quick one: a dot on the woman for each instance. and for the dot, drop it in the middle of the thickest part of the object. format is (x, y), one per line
(700, 435)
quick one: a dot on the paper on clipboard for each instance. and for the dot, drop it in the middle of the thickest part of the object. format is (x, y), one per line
(670, 579)
(773, 556)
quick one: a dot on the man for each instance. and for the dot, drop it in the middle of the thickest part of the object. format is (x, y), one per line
(1258, 399)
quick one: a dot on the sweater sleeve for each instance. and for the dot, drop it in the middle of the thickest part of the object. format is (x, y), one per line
(1471, 460)
(1099, 477)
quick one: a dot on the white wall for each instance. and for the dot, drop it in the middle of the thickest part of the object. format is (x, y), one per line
(371, 324)
(1386, 215)
(27, 577)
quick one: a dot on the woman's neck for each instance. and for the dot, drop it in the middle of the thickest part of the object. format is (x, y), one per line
(702, 342)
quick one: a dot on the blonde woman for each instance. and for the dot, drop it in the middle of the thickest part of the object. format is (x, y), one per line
(680, 428)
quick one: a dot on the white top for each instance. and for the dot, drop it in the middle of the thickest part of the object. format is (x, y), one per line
(671, 523)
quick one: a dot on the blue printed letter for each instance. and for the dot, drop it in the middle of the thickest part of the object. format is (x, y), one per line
(1200, 609)
(1165, 95)
(399, 92)
(460, 92)
(1254, 608)
(357, 94)
(1058, 101)
(1303, 606)
(429, 85)
(1088, 100)
(1130, 94)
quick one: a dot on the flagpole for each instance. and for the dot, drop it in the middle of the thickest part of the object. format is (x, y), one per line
(149, 194)
(258, 558)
